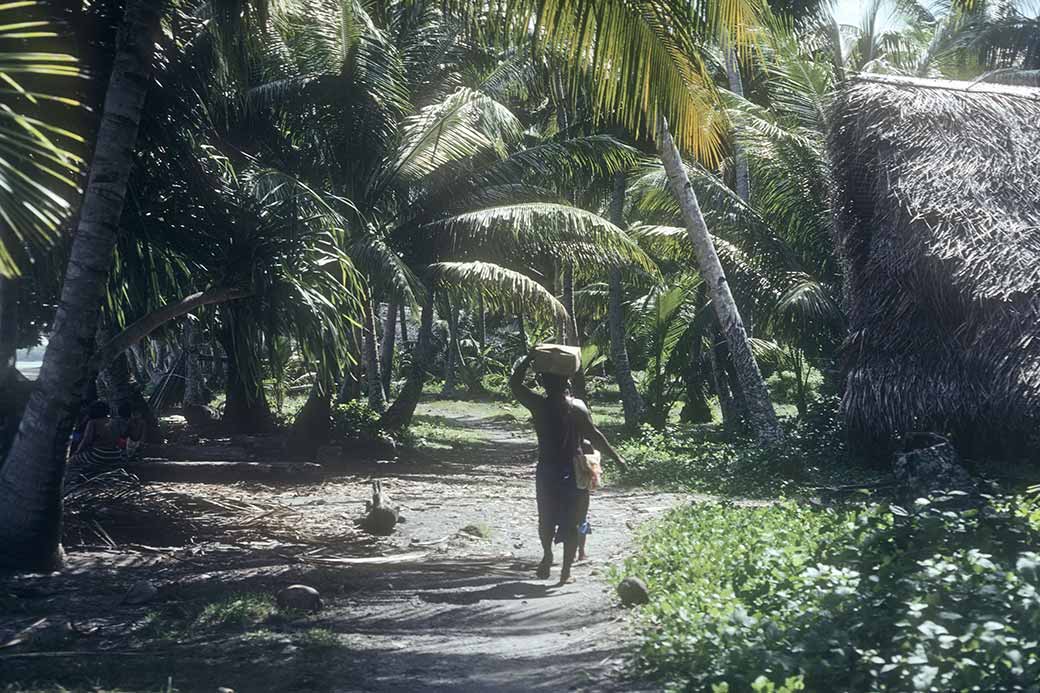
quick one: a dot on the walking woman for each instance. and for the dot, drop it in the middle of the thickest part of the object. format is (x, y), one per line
(560, 422)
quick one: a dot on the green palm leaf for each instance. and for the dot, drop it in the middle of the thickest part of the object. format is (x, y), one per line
(501, 287)
(38, 169)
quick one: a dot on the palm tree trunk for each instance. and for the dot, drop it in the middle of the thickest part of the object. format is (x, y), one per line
(389, 337)
(451, 359)
(195, 391)
(741, 174)
(482, 330)
(761, 416)
(8, 331)
(376, 396)
(404, 326)
(30, 480)
(246, 409)
(400, 413)
(631, 401)
(573, 338)
(350, 387)
(143, 327)
(522, 329)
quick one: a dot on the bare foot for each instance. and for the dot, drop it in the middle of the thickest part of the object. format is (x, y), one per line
(543, 568)
(565, 580)
(582, 557)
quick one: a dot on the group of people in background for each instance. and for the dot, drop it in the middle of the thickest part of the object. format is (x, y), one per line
(100, 441)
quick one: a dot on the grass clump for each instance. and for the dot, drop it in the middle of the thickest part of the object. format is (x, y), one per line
(873, 599)
(239, 611)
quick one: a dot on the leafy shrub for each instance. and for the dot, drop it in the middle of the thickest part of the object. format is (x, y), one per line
(700, 459)
(355, 420)
(880, 599)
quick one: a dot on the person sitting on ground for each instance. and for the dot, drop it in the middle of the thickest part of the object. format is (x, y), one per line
(560, 422)
(130, 426)
(99, 447)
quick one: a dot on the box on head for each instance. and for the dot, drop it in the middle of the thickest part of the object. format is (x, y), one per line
(558, 359)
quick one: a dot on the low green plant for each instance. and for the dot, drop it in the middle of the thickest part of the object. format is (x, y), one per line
(239, 611)
(930, 598)
(355, 420)
(703, 460)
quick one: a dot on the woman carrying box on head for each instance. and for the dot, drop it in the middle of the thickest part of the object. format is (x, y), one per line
(561, 423)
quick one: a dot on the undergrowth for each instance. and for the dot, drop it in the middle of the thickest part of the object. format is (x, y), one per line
(703, 459)
(879, 598)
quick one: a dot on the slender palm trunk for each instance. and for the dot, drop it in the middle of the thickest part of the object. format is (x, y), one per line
(451, 360)
(30, 480)
(522, 329)
(376, 396)
(573, 337)
(482, 330)
(400, 413)
(387, 346)
(741, 174)
(631, 401)
(195, 391)
(350, 387)
(761, 416)
(404, 325)
(8, 330)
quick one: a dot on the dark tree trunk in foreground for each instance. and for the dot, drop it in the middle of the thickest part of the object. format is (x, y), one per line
(310, 429)
(31, 477)
(8, 329)
(761, 416)
(373, 377)
(389, 338)
(631, 401)
(246, 409)
(400, 413)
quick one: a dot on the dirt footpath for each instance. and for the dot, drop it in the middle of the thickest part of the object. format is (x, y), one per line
(448, 603)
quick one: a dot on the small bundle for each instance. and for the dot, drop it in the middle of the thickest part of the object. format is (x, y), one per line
(557, 359)
(382, 515)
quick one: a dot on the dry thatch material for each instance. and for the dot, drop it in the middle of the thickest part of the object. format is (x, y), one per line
(938, 225)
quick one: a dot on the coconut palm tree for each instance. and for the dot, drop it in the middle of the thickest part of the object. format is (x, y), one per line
(30, 479)
(648, 60)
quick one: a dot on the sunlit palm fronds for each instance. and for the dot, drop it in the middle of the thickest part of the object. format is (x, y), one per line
(38, 164)
(642, 57)
(556, 229)
(502, 288)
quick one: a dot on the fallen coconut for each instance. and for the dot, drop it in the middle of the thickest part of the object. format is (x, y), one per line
(299, 598)
(141, 592)
(633, 591)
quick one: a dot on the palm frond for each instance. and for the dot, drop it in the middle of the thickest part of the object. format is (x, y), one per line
(557, 229)
(502, 288)
(38, 166)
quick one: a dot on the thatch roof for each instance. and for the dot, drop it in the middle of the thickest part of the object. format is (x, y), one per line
(938, 225)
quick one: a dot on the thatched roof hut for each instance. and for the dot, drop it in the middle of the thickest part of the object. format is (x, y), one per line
(938, 225)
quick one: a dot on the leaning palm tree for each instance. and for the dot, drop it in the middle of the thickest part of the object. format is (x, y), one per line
(648, 62)
(30, 480)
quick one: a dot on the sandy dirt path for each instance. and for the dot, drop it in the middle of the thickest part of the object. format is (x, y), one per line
(448, 603)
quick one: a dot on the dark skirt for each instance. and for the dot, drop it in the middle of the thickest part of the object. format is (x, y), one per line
(561, 504)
